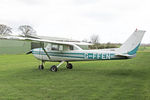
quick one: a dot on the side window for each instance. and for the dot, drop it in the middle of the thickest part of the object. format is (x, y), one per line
(71, 47)
(48, 47)
(55, 47)
(61, 47)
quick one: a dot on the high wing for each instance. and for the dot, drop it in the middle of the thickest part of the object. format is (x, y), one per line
(41, 40)
(32, 39)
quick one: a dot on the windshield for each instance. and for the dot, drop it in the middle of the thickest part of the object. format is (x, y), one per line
(84, 47)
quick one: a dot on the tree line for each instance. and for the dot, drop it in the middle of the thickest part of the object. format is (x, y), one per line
(94, 39)
(26, 30)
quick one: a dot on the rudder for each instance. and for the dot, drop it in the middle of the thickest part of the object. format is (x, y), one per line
(131, 45)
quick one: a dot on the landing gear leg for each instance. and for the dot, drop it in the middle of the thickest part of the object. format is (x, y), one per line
(69, 65)
(54, 68)
(41, 67)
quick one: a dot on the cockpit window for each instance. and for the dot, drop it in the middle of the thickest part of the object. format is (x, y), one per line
(55, 47)
(59, 47)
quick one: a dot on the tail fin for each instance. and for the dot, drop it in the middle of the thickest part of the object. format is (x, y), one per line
(132, 44)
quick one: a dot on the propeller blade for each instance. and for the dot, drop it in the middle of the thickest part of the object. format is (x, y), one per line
(29, 52)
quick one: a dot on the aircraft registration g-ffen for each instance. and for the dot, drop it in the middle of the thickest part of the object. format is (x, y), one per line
(63, 51)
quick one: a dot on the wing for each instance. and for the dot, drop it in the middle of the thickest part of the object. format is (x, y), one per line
(42, 41)
(37, 40)
(29, 39)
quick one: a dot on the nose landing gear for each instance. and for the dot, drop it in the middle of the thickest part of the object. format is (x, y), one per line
(41, 67)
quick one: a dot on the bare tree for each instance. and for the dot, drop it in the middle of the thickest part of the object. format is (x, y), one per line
(94, 39)
(5, 30)
(27, 30)
(84, 40)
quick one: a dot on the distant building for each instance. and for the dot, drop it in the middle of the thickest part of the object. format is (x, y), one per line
(14, 47)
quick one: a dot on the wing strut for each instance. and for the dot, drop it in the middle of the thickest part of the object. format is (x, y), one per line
(42, 45)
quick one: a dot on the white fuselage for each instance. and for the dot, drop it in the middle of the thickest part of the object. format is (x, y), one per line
(76, 55)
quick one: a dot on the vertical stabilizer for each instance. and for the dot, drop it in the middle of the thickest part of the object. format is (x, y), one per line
(132, 44)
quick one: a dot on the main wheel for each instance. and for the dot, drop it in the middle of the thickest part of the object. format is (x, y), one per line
(69, 66)
(53, 68)
(41, 67)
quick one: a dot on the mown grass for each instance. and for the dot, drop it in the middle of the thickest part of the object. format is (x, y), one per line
(95, 80)
(144, 49)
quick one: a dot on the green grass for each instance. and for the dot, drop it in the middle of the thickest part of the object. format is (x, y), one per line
(95, 80)
(144, 49)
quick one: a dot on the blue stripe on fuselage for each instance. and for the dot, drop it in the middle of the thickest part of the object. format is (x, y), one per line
(96, 56)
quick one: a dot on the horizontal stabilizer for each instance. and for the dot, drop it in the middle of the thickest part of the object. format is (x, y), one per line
(124, 55)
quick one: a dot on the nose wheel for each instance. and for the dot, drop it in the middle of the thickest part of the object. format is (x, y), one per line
(41, 67)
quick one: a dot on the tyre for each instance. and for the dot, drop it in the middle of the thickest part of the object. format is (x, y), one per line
(53, 68)
(69, 66)
(41, 67)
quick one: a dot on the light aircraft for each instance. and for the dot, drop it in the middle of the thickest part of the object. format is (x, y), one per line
(65, 51)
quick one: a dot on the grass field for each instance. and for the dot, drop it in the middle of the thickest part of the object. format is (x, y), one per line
(96, 80)
(144, 49)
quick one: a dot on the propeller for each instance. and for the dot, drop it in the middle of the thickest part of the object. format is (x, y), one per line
(29, 52)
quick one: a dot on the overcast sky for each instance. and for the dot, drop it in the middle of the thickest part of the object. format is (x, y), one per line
(113, 20)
